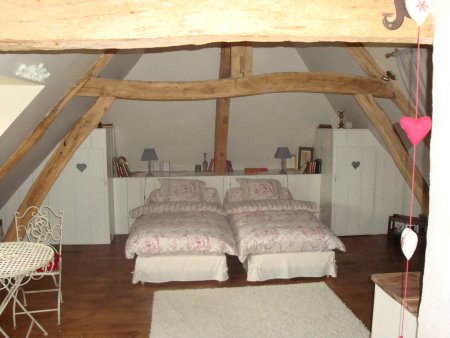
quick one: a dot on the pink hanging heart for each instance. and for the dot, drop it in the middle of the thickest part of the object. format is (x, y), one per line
(408, 242)
(418, 10)
(416, 129)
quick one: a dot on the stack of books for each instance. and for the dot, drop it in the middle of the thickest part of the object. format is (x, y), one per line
(121, 165)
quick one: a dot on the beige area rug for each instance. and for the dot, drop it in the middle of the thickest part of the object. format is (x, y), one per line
(297, 310)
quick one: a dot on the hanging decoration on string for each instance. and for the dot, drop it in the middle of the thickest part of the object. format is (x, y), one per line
(408, 242)
(416, 129)
(418, 10)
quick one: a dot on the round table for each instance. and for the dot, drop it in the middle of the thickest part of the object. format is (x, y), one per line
(18, 262)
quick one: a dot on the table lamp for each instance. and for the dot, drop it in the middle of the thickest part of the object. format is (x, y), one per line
(149, 155)
(283, 153)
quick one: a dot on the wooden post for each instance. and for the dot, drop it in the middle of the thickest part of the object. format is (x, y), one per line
(222, 116)
(235, 62)
(60, 157)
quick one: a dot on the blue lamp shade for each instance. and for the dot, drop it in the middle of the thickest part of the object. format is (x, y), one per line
(149, 155)
(283, 153)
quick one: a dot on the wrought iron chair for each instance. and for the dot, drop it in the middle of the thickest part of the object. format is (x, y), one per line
(45, 226)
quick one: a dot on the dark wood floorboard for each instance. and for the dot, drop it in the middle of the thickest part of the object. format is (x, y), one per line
(101, 301)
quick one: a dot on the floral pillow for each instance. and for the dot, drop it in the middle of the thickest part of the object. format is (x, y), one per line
(260, 189)
(179, 189)
(210, 195)
(236, 195)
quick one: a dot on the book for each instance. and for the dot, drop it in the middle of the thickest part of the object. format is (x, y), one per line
(211, 165)
(117, 167)
(324, 126)
(254, 171)
(311, 169)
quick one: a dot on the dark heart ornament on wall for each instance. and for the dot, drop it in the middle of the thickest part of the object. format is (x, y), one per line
(355, 164)
(81, 166)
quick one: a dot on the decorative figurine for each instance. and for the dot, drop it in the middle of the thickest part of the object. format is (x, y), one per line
(341, 119)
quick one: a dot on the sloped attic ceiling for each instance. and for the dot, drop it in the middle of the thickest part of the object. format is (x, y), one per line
(334, 58)
(65, 69)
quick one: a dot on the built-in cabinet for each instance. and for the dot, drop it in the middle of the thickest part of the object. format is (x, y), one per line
(83, 191)
(359, 188)
(131, 192)
(361, 185)
(387, 306)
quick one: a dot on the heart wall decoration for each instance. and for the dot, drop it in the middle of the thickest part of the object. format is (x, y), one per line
(418, 10)
(81, 166)
(416, 128)
(356, 164)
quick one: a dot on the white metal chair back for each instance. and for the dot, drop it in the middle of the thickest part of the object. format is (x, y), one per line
(43, 225)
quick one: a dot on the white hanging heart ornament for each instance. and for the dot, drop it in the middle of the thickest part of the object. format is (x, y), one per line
(408, 242)
(418, 10)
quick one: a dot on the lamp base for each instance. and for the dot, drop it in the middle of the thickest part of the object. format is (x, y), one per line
(283, 166)
(149, 169)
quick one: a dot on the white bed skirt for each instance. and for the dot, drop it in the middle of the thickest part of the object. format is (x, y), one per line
(160, 269)
(290, 265)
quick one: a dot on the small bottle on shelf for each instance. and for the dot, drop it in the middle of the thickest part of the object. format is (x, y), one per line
(205, 163)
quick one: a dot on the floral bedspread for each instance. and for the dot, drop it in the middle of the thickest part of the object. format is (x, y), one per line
(177, 231)
(279, 230)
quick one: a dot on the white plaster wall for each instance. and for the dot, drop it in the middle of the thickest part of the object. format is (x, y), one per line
(15, 95)
(435, 302)
(182, 131)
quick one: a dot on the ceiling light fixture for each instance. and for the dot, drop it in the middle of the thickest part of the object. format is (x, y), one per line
(36, 73)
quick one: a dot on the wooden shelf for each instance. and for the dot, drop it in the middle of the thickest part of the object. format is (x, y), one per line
(392, 284)
(192, 173)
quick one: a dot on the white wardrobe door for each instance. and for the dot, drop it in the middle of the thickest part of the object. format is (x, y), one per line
(346, 192)
(97, 195)
(81, 191)
(62, 197)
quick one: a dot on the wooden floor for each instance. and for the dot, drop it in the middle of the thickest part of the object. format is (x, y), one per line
(100, 301)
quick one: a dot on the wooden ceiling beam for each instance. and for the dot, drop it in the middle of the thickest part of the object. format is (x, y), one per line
(41, 129)
(59, 158)
(245, 86)
(404, 163)
(95, 24)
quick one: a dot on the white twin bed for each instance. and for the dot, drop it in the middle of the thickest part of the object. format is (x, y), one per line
(182, 233)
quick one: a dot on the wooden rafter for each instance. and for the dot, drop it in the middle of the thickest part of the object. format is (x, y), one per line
(88, 24)
(360, 54)
(374, 70)
(329, 83)
(60, 157)
(383, 124)
(40, 130)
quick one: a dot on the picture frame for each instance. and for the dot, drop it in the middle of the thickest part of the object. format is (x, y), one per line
(291, 163)
(165, 166)
(305, 154)
(156, 166)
